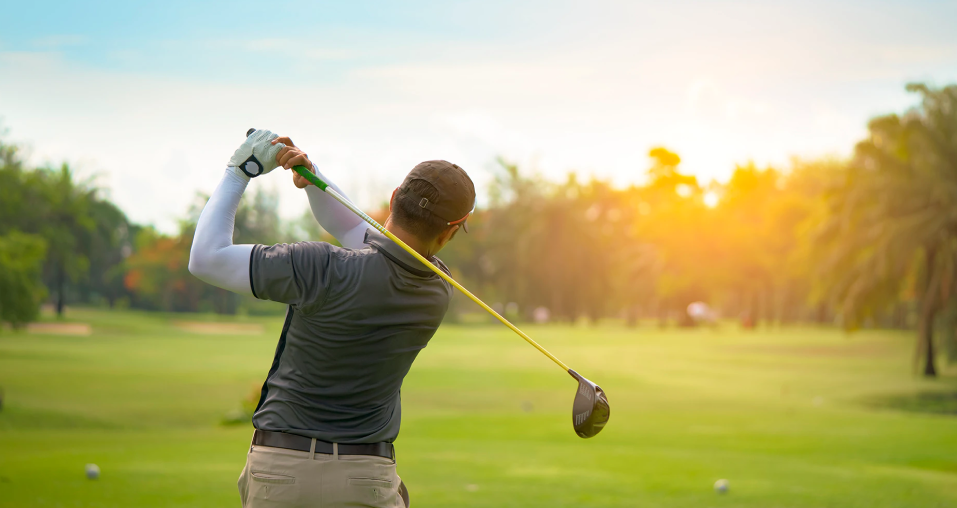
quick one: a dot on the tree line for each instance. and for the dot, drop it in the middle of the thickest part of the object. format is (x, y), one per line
(62, 241)
(867, 241)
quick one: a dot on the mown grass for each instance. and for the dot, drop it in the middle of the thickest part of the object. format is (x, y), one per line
(794, 417)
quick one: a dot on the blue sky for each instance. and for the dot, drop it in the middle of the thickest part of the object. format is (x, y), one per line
(154, 97)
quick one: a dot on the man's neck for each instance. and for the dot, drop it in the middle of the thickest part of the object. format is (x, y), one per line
(409, 239)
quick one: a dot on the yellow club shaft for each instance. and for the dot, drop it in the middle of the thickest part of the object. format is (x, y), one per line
(309, 175)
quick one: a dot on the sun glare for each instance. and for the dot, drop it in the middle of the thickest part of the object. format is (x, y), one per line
(710, 199)
(684, 190)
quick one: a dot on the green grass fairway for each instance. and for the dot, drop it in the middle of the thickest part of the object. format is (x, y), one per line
(794, 417)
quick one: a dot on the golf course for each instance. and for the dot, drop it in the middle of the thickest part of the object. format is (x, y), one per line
(791, 417)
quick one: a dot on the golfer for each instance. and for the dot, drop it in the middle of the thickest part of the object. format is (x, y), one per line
(358, 315)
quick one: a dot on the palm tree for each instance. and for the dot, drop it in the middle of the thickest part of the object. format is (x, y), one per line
(892, 226)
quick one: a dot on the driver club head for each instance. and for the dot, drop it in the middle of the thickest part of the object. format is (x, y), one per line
(590, 411)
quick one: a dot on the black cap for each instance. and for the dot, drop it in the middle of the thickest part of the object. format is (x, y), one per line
(454, 194)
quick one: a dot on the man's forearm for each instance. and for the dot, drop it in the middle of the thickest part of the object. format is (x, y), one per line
(335, 218)
(213, 258)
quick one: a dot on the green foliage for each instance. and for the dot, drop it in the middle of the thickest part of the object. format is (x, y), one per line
(110, 242)
(589, 249)
(891, 232)
(21, 288)
(870, 241)
(157, 274)
(545, 244)
(86, 236)
(257, 219)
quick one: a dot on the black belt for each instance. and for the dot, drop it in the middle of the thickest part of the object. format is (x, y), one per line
(302, 443)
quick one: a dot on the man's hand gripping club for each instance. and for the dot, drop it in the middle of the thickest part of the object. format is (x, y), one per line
(257, 155)
(291, 156)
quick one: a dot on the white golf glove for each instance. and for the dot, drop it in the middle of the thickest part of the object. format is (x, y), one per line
(256, 156)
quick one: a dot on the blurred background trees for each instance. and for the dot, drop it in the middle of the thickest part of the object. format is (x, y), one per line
(21, 255)
(890, 234)
(21, 287)
(84, 235)
(871, 241)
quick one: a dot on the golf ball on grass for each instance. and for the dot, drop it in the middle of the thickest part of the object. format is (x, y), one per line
(92, 471)
(721, 486)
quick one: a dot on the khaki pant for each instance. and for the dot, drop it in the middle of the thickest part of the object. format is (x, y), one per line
(276, 477)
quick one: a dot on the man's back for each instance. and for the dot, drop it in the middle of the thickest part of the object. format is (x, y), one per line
(356, 321)
(357, 318)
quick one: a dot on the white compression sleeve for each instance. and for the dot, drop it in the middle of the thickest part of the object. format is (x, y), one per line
(335, 218)
(213, 258)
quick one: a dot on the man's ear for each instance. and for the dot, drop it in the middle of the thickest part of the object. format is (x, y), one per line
(448, 235)
(391, 199)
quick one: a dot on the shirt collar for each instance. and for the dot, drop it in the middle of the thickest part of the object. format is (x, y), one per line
(399, 256)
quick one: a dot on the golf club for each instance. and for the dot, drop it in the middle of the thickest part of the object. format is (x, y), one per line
(590, 411)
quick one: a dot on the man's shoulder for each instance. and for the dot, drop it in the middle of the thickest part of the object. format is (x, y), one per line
(309, 253)
(441, 266)
(326, 248)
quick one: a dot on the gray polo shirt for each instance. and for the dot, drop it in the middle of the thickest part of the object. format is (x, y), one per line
(356, 321)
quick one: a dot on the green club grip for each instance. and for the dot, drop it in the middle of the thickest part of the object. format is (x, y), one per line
(308, 175)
